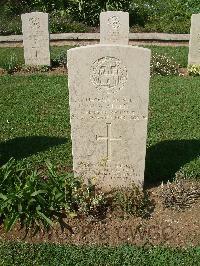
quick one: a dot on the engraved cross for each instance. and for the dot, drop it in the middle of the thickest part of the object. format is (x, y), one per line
(108, 139)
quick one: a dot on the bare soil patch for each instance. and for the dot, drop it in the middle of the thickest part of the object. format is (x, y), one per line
(165, 227)
(51, 71)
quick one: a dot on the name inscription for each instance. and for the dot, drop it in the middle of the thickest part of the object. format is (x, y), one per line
(106, 171)
(112, 109)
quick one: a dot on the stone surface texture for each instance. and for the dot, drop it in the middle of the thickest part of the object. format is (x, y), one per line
(114, 27)
(109, 93)
(35, 28)
(194, 43)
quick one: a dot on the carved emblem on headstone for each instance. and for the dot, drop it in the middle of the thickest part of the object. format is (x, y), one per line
(35, 23)
(114, 22)
(108, 73)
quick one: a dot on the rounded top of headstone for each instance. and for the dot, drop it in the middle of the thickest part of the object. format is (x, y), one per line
(196, 15)
(114, 12)
(97, 46)
(35, 13)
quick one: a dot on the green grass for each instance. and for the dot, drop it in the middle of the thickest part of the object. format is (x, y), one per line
(7, 53)
(35, 118)
(173, 128)
(56, 50)
(35, 123)
(179, 54)
(51, 254)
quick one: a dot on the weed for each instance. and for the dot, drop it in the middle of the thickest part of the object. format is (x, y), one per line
(38, 198)
(163, 65)
(180, 194)
(11, 65)
(194, 70)
(60, 59)
(35, 69)
(134, 201)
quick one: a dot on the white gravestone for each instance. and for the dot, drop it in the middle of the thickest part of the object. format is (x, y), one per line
(35, 28)
(109, 94)
(194, 45)
(114, 27)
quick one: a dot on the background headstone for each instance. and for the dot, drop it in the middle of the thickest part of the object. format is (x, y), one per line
(35, 28)
(194, 45)
(108, 90)
(114, 27)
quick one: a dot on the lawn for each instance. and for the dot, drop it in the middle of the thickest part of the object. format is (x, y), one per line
(48, 254)
(9, 55)
(35, 127)
(35, 123)
(15, 55)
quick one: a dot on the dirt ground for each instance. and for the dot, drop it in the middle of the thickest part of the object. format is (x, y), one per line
(164, 227)
(51, 71)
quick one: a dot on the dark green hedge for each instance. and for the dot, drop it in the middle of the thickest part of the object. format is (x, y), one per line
(145, 15)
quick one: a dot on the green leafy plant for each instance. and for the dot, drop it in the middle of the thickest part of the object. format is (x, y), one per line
(73, 15)
(163, 65)
(11, 65)
(175, 20)
(89, 11)
(10, 24)
(60, 59)
(36, 198)
(194, 70)
(25, 196)
(60, 21)
(90, 201)
(134, 201)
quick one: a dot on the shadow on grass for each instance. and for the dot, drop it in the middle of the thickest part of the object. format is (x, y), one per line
(22, 147)
(164, 159)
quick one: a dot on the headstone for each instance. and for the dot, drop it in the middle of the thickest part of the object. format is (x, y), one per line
(109, 92)
(194, 45)
(114, 27)
(35, 28)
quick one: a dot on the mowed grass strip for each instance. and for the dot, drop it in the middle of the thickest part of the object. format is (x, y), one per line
(15, 55)
(10, 56)
(51, 254)
(173, 144)
(35, 119)
(35, 123)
